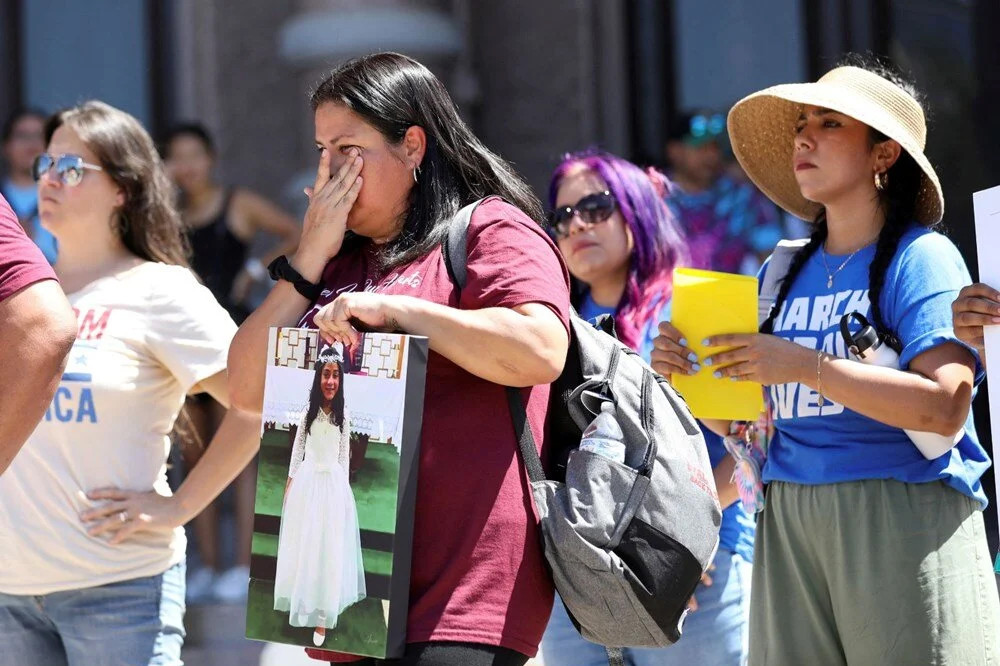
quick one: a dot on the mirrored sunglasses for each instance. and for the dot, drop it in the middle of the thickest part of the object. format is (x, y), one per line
(705, 126)
(69, 168)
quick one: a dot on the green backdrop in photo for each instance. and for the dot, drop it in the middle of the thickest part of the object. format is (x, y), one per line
(378, 562)
(361, 628)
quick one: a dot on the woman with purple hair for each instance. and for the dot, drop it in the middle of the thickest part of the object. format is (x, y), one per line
(619, 239)
(621, 243)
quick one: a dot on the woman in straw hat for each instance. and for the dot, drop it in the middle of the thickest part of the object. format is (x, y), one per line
(867, 552)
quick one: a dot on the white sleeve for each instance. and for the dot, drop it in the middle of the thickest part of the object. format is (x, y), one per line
(298, 448)
(189, 332)
(345, 443)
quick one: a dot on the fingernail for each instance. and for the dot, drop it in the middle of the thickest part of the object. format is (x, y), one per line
(707, 342)
(996, 320)
(734, 379)
(692, 357)
(717, 374)
(695, 368)
(684, 342)
(707, 361)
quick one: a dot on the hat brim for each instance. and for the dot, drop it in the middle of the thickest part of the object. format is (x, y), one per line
(761, 131)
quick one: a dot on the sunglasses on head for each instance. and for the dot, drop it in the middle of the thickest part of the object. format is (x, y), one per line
(702, 126)
(591, 209)
(69, 168)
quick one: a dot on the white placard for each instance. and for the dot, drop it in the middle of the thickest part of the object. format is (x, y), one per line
(986, 205)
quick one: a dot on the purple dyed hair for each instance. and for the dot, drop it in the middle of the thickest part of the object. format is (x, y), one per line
(659, 244)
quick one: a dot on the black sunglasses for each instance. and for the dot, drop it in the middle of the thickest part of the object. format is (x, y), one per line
(68, 167)
(592, 209)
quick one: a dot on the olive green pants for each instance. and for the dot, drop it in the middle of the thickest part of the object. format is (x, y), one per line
(872, 572)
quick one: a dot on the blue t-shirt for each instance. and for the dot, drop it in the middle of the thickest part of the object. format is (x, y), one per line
(736, 533)
(833, 444)
(24, 202)
(590, 311)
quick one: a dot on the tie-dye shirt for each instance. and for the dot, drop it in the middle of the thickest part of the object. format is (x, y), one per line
(729, 227)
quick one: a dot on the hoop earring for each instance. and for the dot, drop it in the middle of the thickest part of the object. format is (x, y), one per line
(416, 172)
(881, 181)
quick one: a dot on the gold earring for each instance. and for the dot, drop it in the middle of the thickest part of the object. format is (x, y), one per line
(881, 180)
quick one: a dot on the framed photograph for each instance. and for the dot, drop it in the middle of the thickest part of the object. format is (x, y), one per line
(336, 483)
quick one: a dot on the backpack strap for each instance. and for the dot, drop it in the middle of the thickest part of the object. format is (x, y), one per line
(525, 440)
(777, 269)
(455, 251)
(455, 247)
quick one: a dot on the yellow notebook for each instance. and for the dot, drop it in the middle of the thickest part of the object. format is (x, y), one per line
(707, 303)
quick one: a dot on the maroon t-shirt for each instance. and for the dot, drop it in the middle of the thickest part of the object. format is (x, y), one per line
(21, 262)
(478, 573)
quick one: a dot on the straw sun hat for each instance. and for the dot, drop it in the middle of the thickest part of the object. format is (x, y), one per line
(762, 125)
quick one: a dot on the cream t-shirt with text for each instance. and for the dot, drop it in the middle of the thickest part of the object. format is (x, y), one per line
(145, 338)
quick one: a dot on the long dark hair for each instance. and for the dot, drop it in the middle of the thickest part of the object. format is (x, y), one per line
(148, 223)
(899, 201)
(393, 93)
(316, 399)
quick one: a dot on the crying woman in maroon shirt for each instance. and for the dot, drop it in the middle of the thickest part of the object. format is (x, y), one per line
(395, 164)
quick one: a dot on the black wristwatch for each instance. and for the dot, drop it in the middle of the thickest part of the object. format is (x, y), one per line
(280, 269)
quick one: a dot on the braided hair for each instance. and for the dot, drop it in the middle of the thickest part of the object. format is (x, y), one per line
(799, 259)
(898, 199)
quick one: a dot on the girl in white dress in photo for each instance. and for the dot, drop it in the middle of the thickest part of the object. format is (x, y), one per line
(319, 571)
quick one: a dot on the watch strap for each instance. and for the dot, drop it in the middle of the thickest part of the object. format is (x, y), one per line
(281, 269)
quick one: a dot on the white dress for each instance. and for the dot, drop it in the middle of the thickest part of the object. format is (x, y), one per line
(319, 569)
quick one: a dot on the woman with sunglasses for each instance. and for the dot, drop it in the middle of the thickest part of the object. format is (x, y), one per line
(867, 551)
(92, 539)
(621, 244)
(396, 163)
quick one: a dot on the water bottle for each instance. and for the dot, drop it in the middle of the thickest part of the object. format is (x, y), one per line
(604, 436)
(866, 346)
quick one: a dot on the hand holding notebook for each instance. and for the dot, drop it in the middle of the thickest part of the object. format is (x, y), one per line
(706, 304)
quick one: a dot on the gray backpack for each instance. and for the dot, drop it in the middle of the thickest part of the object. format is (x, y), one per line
(626, 544)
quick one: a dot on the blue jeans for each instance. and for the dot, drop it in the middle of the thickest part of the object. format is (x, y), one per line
(130, 623)
(716, 634)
